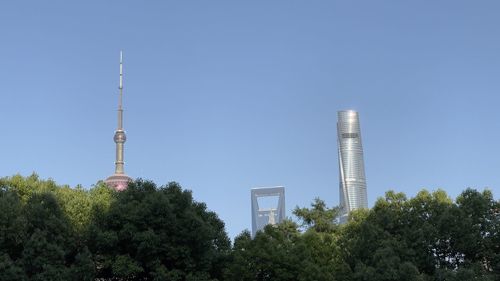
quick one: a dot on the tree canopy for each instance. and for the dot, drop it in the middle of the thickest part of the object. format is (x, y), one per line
(51, 232)
(428, 237)
(150, 232)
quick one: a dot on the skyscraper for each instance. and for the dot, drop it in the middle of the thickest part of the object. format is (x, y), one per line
(264, 215)
(351, 164)
(119, 180)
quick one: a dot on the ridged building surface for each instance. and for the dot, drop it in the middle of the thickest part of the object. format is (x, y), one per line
(351, 164)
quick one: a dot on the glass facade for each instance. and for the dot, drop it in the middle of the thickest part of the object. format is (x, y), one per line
(351, 165)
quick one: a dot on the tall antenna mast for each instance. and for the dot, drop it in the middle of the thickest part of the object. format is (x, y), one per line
(120, 137)
(119, 180)
(120, 102)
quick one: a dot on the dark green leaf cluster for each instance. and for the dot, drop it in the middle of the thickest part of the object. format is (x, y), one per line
(428, 237)
(50, 232)
(37, 241)
(284, 253)
(151, 233)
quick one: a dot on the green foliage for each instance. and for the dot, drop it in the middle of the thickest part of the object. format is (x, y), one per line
(83, 267)
(428, 237)
(76, 204)
(283, 253)
(24, 187)
(51, 232)
(151, 232)
(267, 257)
(9, 270)
(37, 241)
(319, 217)
(13, 225)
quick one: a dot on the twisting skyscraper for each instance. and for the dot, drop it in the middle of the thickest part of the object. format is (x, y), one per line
(351, 165)
(119, 180)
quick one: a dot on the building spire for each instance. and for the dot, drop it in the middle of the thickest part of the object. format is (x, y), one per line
(120, 136)
(119, 180)
(120, 102)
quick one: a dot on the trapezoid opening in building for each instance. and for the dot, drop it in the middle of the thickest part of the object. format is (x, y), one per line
(264, 215)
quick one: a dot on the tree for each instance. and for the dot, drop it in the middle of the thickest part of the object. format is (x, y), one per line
(319, 217)
(479, 246)
(428, 237)
(284, 253)
(49, 251)
(157, 233)
(12, 236)
(269, 256)
(373, 244)
(52, 232)
(24, 187)
(37, 240)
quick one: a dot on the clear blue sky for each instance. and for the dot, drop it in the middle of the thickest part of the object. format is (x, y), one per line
(223, 96)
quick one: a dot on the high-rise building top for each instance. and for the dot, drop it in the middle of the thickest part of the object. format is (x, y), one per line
(351, 164)
(264, 215)
(119, 180)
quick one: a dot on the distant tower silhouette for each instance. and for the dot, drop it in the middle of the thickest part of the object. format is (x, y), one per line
(119, 180)
(261, 215)
(351, 164)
